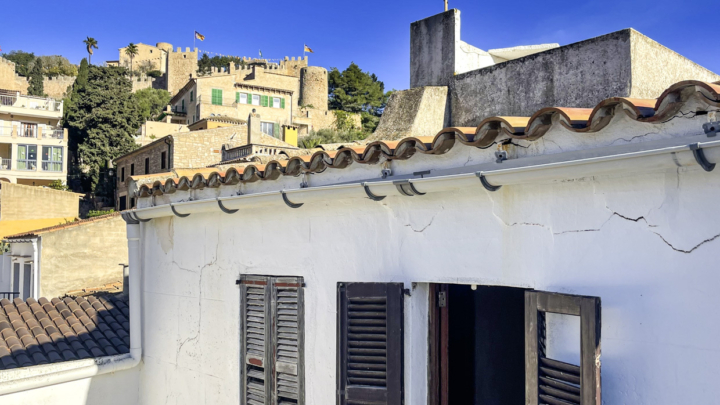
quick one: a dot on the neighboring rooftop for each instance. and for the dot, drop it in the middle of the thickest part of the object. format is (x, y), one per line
(66, 225)
(52, 331)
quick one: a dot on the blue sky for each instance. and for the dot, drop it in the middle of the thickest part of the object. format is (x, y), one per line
(374, 34)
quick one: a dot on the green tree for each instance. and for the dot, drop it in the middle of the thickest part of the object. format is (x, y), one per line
(90, 43)
(56, 65)
(73, 95)
(353, 90)
(23, 61)
(152, 102)
(103, 120)
(131, 51)
(206, 63)
(36, 87)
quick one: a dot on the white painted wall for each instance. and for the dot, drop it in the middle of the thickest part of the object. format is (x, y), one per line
(643, 243)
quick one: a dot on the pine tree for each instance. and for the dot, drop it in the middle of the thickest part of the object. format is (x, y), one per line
(353, 90)
(36, 80)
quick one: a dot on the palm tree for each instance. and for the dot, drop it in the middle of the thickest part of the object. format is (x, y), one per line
(90, 43)
(131, 50)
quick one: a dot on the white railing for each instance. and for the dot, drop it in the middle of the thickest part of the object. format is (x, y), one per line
(49, 166)
(26, 164)
(5, 164)
(27, 132)
(31, 102)
(54, 133)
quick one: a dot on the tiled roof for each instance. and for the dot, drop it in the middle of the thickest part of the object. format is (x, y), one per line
(34, 233)
(114, 287)
(490, 130)
(51, 331)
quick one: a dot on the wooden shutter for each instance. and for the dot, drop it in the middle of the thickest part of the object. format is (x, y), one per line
(237, 96)
(370, 344)
(249, 98)
(553, 382)
(288, 341)
(282, 102)
(217, 96)
(256, 366)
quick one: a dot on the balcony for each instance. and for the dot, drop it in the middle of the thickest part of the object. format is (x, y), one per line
(50, 166)
(30, 105)
(31, 131)
(5, 164)
(26, 165)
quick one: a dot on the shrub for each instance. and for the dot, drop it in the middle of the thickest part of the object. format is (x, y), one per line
(97, 213)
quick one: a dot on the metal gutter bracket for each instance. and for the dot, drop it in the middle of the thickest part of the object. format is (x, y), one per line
(700, 157)
(371, 195)
(488, 186)
(225, 210)
(177, 214)
(134, 215)
(405, 187)
(711, 128)
(289, 203)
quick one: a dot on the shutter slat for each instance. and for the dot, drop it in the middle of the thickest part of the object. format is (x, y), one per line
(256, 311)
(287, 338)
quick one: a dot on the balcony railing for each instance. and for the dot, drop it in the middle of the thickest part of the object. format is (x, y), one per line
(30, 102)
(48, 166)
(54, 133)
(28, 132)
(8, 295)
(5, 164)
(26, 164)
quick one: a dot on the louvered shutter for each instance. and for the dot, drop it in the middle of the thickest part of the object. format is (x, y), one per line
(370, 343)
(288, 341)
(263, 101)
(249, 96)
(282, 102)
(256, 367)
(237, 97)
(553, 382)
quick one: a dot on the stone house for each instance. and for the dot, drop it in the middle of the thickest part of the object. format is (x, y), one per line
(55, 260)
(285, 93)
(176, 66)
(198, 148)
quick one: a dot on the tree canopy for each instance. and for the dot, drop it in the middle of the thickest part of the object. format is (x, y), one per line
(152, 102)
(52, 65)
(353, 90)
(206, 63)
(23, 61)
(102, 120)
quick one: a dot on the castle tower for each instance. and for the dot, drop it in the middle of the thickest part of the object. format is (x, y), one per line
(180, 66)
(314, 87)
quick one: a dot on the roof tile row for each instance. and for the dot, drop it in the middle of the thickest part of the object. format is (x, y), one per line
(579, 120)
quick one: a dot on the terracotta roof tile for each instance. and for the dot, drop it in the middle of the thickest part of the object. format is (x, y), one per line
(34, 333)
(579, 120)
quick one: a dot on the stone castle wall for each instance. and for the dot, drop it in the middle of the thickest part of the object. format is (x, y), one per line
(56, 87)
(314, 87)
(9, 80)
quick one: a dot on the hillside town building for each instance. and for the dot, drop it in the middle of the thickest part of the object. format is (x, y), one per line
(556, 255)
(33, 145)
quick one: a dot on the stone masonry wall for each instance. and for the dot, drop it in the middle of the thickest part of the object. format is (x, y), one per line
(70, 258)
(181, 65)
(9, 80)
(20, 202)
(56, 87)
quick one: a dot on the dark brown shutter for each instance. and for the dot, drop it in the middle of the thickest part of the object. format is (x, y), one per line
(256, 366)
(288, 340)
(553, 382)
(370, 343)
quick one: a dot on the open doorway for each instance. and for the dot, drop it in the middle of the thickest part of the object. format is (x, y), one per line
(477, 345)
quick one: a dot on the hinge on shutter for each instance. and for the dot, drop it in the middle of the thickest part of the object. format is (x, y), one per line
(341, 393)
(442, 299)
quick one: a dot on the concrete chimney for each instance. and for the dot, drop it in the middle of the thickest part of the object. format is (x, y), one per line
(253, 124)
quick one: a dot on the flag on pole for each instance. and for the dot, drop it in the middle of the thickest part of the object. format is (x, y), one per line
(260, 53)
(199, 36)
(307, 49)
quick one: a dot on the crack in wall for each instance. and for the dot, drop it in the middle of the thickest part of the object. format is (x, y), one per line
(423, 228)
(634, 137)
(683, 250)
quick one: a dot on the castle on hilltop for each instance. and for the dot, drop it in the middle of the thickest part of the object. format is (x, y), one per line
(284, 93)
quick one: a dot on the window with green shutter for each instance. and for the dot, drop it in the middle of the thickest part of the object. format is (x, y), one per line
(217, 96)
(237, 96)
(263, 101)
(282, 103)
(250, 98)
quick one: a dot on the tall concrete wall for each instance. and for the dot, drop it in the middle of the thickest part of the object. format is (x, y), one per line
(422, 111)
(620, 64)
(82, 256)
(20, 202)
(433, 43)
